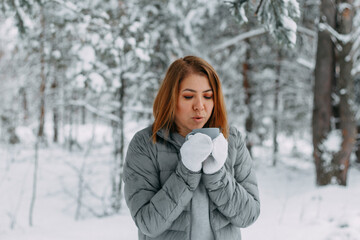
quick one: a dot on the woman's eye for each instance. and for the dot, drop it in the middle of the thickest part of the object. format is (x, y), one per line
(188, 97)
(208, 97)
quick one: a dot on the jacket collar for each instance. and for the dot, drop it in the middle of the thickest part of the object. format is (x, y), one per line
(167, 137)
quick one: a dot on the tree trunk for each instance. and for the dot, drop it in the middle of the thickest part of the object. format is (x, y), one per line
(276, 110)
(40, 135)
(357, 152)
(43, 77)
(324, 75)
(119, 149)
(54, 87)
(24, 104)
(83, 109)
(122, 138)
(70, 127)
(346, 90)
(34, 189)
(249, 122)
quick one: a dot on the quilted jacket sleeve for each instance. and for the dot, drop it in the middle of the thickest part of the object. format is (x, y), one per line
(235, 196)
(154, 207)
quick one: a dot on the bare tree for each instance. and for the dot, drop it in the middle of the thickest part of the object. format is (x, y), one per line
(23, 94)
(249, 122)
(81, 174)
(324, 76)
(334, 25)
(346, 91)
(40, 135)
(118, 148)
(276, 109)
(54, 87)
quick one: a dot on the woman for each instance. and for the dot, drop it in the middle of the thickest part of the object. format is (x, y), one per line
(197, 188)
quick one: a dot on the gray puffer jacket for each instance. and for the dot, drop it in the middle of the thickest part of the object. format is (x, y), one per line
(159, 188)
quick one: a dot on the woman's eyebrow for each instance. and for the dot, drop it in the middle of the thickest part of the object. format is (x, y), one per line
(192, 90)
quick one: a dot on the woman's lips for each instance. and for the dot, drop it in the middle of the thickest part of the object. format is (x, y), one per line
(198, 119)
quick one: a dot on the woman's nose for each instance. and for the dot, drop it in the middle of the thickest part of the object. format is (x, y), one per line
(198, 104)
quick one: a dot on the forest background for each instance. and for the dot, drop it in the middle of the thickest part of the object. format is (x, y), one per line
(78, 79)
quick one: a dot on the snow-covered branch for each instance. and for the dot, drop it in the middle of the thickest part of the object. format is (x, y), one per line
(68, 5)
(109, 116)
(343, 38)
(342, 6)
(307, 31)
(23, 16)
(306, 63)
(138, 110)
(354, 52)
(71, 6)
(255, 33)
(241, 37)
(95, 110)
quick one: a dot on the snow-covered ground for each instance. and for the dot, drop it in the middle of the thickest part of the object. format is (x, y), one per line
(292, 207)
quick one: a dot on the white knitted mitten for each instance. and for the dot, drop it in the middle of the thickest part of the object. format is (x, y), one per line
(195, 150)
(219, 155)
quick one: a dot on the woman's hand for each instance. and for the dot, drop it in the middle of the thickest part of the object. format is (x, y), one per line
(195, 150)
(219, 155)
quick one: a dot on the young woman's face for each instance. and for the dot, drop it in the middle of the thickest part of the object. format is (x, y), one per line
(195, 103)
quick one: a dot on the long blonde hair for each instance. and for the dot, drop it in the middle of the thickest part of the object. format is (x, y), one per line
(167, 96)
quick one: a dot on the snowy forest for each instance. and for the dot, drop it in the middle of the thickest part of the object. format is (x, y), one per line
(78, 80)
